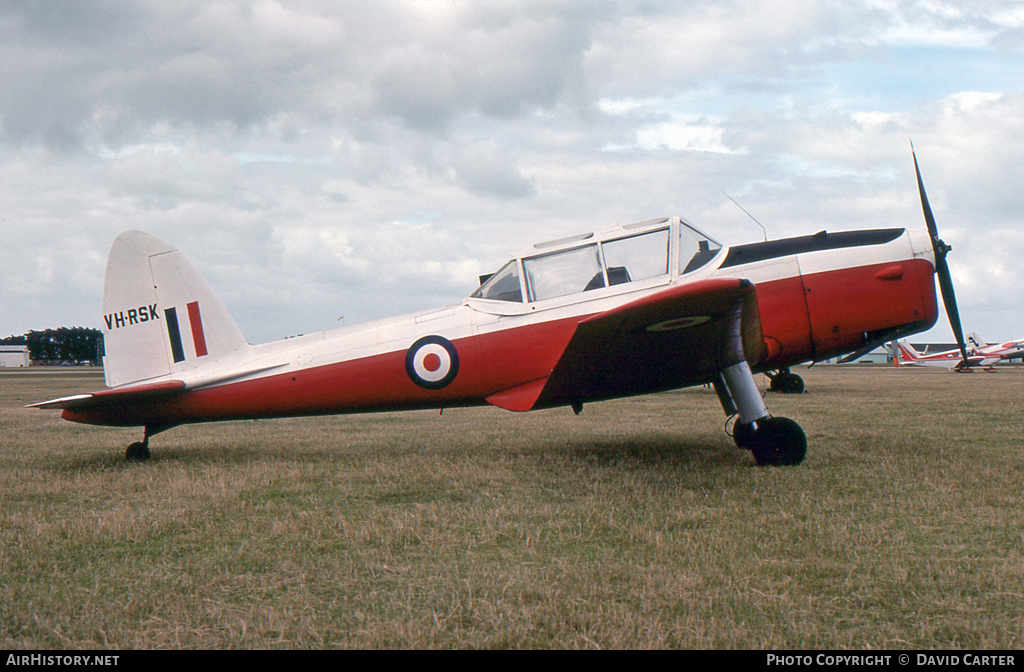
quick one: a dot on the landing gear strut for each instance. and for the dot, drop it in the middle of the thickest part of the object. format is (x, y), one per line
(785, 382)
(773, 441)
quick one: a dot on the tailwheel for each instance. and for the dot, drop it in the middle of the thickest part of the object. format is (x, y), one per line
(778, 441)
(137, 452)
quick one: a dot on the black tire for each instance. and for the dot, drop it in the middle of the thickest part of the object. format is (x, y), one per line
(793, 384)
(787, 383)
(779, 442)
(743, 435)
(137, 452)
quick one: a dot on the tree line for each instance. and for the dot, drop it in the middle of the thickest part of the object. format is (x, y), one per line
(65, 344)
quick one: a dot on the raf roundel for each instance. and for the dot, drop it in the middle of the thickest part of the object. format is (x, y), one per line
(432, 362)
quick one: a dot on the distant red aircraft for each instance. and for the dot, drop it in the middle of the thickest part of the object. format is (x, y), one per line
(906, 355)
(630, 310)
(978, 354)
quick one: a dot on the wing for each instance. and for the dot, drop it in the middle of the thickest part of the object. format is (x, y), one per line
(683, 335)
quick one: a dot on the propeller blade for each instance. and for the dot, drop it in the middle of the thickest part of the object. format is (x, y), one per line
(929, 218)
(949, 300)
(941, 249)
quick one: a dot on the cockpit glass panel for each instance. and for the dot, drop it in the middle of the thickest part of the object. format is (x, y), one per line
(695, 249)
(637, 257)
(562, 273)
(502, 286)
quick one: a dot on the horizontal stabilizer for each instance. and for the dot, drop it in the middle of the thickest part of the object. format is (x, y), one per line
(109, 397)
(148, 391)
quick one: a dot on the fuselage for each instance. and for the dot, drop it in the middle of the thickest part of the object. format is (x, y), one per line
(818, 297)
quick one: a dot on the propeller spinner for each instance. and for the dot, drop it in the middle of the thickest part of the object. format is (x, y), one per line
(941, 267)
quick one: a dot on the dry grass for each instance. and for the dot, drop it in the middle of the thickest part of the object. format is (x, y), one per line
(636, 524)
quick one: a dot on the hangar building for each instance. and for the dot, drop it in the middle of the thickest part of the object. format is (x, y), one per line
(13, 355)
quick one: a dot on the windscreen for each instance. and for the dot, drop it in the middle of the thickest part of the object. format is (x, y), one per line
(695, 249)
(502, 286)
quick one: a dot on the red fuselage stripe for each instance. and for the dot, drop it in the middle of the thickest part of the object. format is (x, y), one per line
(196, 320)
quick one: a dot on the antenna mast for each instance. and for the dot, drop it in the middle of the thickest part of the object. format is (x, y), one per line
(749, 215)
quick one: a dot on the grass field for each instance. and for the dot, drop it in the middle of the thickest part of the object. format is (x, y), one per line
(636, 524)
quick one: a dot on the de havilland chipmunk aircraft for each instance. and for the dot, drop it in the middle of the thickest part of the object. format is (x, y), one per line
(635, 309)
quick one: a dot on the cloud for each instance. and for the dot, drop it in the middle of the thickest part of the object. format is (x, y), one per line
(369, 159)
(484, 169)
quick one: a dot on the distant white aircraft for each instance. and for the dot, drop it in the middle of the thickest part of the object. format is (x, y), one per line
(1007, 350)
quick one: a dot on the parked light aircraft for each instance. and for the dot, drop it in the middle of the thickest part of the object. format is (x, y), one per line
(978, 354)
(907, 355)
(1007, 350)
(635, 309)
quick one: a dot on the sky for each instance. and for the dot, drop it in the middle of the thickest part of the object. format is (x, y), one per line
(327, 163)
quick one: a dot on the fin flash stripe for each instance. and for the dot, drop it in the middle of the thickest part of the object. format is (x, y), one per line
(174, 333)
(196, 321)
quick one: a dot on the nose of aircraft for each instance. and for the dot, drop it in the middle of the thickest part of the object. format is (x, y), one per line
(921, 244)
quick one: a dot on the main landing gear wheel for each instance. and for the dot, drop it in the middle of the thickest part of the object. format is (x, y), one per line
(786, 382)
(137, 452)
(771, 440)
(774, 441)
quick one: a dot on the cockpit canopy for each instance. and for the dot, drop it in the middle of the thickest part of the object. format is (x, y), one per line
(630, 253)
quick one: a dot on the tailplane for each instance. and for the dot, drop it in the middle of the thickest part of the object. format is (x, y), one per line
(160, 316)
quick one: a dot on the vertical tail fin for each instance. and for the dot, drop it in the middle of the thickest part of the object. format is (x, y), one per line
(908, 352)
(160, 316)
(975, 341)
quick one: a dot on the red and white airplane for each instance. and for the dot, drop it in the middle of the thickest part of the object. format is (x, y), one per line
(630, 310)
(907, 355)
(1005, 351)
(978, 354)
